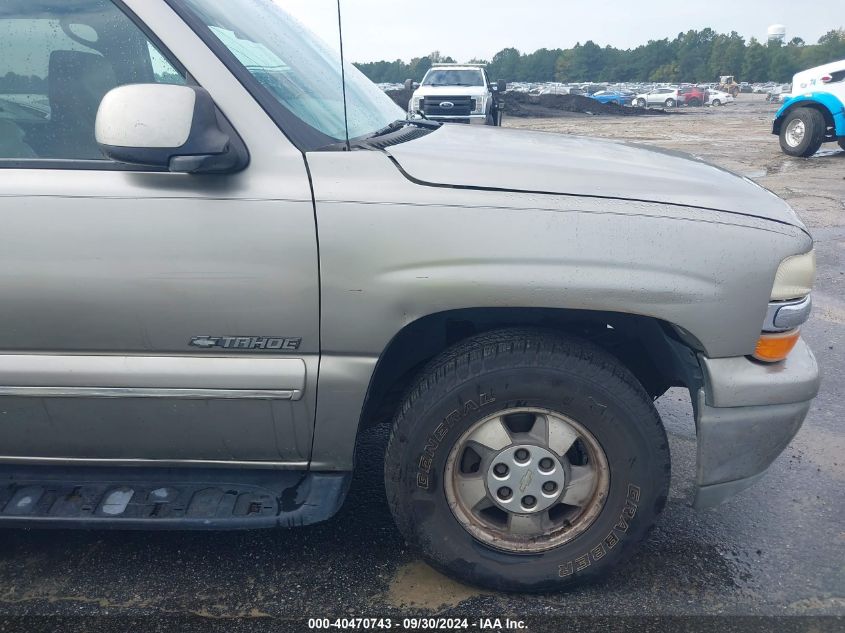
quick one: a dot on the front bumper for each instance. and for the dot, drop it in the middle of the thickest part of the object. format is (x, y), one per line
(746, 414)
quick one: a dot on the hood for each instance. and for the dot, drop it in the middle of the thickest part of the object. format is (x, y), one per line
(540, 162)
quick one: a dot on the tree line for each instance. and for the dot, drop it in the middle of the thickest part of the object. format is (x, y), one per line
(699, 56)
(13, 83)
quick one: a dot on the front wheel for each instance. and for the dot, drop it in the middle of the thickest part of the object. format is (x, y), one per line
(802, 132)
(494, 117)
(670, 103)
(526, 461)
(716, 103)
(641, 103)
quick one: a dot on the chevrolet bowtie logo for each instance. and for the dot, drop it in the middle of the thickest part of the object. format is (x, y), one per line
(204, 341)
(526, 480)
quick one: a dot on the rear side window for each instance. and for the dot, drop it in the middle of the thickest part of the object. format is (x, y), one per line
(58, 58)
(837, 76)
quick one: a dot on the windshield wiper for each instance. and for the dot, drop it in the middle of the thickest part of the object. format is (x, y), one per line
(390, 127)
(400, 123)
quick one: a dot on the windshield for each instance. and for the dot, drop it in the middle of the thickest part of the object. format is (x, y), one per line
(453, 78)
(300, 72)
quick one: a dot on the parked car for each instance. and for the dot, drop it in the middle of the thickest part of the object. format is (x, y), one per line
(779, 94)
(719, 98)
(815, 112)
(666, 97)
(556, 89)
(608, 96)
(207, 297)
(590, 89)
(458, 93)
(692, 96)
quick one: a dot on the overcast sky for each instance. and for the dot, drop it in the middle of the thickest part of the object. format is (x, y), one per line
(402, 29)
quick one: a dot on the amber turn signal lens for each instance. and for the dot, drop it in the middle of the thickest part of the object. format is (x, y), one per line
(772, 348)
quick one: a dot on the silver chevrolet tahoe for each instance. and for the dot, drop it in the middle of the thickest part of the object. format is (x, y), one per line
(215, 274)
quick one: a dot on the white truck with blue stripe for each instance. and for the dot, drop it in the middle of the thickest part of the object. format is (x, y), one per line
(815, 114)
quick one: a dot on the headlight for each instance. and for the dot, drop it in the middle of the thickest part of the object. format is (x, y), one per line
(789, 308)
(415, 104)
(480, 105)
(795, 277)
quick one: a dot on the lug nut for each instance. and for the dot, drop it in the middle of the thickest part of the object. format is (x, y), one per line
(549, 487)
(546, 464)
(522, 455)
(501, 470)
(528, 501)
(505, 493)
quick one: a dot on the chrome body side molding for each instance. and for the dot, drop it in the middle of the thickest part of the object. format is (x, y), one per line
(124, 392)
(112, 376)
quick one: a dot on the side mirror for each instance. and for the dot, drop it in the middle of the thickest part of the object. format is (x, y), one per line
(502, 86)
(169, 126)
(409, 85)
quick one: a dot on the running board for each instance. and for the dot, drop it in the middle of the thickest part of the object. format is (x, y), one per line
(166, 498)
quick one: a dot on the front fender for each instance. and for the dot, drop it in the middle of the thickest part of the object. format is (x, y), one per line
(394, 251)
(826, 100)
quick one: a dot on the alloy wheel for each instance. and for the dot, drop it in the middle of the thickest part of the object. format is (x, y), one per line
(526, 480)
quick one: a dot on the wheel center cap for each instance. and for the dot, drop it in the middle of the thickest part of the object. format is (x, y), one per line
(525, 479)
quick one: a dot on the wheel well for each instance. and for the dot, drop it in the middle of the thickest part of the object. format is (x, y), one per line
(828, 117)
(658, 354)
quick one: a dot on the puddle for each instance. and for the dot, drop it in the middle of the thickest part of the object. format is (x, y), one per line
(418, 586)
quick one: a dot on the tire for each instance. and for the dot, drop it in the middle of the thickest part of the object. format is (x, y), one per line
(494, 117)
(802, 132)
(641, 103)
(695, 103)
(537, 378)
(669, 103)
(716, 103)
(841, 143)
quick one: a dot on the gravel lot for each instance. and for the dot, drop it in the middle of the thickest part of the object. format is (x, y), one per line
(777, 549)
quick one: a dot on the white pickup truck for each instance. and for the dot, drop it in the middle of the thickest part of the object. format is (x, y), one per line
(458, 93)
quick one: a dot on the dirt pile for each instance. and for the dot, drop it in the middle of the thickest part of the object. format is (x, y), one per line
(520, 104)
(523, 105)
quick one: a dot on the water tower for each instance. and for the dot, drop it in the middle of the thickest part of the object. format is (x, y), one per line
(777, 33)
